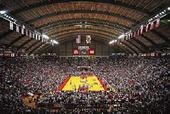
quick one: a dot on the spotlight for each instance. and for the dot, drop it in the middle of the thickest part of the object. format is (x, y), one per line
(2, 9)
(121, 36)
(45, 36)
(110, 42)
(113, 41)
(168, 8)
(3, 12)
(54, 42)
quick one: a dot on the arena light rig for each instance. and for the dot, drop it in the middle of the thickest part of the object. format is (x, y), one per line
(113, 41)
(54, 42)
(26, 30)
(3, 12)
(168, 8)
(145, 26)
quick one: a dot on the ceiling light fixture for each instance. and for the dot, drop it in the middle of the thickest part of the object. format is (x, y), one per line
(168, 8)
(3, 12)
(54, 42)
(45, 36)
(113, 41)
(121, 36)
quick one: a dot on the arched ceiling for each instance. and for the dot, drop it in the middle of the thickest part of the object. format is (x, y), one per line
(106, 19)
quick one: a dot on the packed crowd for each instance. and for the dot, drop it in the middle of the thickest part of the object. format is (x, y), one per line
(141, 84)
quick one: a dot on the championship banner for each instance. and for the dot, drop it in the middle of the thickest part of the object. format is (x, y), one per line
(36, 36)
(78, 39)
(147, 28)
(141, 29)
(138, 32)
(157, 23)
(11, 25)
(17, 28)
(39, 37)
(151, 25)
(24, 31)
(30, 33)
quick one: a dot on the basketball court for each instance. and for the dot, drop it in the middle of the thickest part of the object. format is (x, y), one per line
(78, 83)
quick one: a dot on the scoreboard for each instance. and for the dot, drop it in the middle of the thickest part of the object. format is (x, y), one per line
(83, 46)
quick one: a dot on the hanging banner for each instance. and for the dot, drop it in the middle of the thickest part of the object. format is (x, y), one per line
(30, 34)
(88, 39)
(141, 29)
(36, 36)
(42, 39)
(33, 35)
(17, 28)
(138, 33)
(78, 39)
(26, 32)
(22, 29)
(157, 23)
(147, 28)
(11, 25)
(39, 37)
(151, 25)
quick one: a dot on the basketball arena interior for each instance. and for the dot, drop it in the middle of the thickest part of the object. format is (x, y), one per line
(85, 56)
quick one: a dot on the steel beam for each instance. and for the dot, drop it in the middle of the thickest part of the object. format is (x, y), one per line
(82, 11)
(46, 3)
(14, 41)
(148, 39)
(22, 45)
(129, 47)
(134, 45)
(160, 35)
